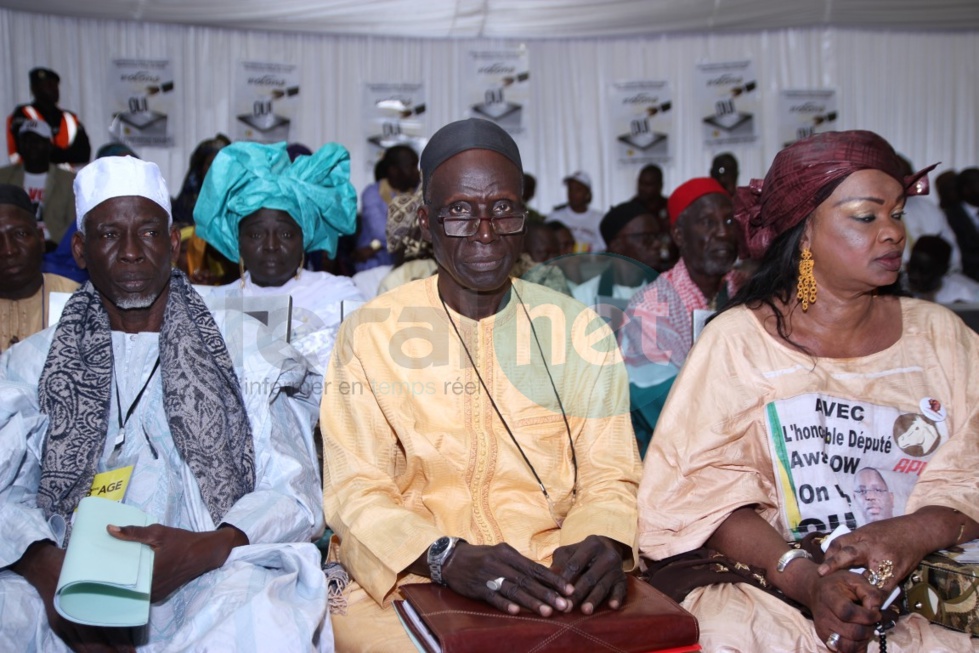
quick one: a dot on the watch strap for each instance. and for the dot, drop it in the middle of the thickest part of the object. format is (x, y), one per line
(437, 560)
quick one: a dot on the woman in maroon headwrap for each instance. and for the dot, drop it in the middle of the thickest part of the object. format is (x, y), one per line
(818, 398)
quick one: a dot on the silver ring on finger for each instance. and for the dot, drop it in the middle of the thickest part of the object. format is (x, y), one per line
(833, 641)
(874, 578)
(495, 584)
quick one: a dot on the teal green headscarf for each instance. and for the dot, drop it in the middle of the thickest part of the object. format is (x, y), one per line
(245, 177)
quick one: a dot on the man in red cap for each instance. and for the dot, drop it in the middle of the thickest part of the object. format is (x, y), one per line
(658, 329)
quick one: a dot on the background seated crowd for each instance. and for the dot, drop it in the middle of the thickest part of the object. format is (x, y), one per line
(523, 408)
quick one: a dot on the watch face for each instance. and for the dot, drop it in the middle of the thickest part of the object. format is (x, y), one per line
(439, 546)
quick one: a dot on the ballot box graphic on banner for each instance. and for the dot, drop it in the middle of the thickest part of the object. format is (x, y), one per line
(497, 84)
(640, 122)
(265, 101)
(728, 99)
(142, 100)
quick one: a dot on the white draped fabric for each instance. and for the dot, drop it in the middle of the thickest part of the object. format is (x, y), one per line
(523, 18)
(918, 89)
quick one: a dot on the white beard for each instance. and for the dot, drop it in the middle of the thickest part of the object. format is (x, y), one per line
(131, 303)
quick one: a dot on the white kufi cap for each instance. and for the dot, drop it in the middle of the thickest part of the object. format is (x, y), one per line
(118, 176)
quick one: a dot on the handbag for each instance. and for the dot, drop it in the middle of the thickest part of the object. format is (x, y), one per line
(442, 621)
(678, 575)
(946, 591)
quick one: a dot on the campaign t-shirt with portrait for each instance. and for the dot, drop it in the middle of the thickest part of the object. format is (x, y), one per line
(813, 442)
(840, 460)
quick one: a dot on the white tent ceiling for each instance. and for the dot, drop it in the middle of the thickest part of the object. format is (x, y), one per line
(529, 19)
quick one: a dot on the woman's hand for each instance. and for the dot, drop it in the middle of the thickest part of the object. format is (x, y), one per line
(897, 545)
(846, 604)
(891, 548)
(841, 602)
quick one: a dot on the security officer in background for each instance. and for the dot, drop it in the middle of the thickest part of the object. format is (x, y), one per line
(68, 135)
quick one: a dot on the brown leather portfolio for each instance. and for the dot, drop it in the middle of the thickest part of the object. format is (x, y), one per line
(439, 620)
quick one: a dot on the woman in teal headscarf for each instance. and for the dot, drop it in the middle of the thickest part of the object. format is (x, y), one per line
(265, 211)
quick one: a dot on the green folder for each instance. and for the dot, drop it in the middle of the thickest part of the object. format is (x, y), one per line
(105, 581)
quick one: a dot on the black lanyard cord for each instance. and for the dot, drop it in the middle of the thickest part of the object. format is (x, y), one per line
(506, 426)
(132, 407)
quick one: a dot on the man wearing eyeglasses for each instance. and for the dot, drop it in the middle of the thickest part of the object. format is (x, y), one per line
(476, 429)
(631, 258)
(873, 496)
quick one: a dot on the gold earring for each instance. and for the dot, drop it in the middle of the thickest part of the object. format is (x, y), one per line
(806, 292)
(302, 262)
(241, 272)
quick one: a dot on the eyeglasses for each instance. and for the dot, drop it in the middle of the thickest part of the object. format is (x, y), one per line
(648, 238)
(459, 220)
(871, 492)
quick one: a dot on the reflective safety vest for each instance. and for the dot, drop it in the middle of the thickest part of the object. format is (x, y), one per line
(62, 136)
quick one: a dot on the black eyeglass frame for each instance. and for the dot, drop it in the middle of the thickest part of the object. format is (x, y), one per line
(494, 223)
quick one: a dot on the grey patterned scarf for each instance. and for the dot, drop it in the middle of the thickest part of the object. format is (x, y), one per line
(201, 396)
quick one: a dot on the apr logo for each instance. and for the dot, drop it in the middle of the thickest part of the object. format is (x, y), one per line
(916, 435)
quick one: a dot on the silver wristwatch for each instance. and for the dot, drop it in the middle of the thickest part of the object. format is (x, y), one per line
(438, 555)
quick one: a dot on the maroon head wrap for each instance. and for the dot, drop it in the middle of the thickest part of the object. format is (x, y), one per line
(790, 190)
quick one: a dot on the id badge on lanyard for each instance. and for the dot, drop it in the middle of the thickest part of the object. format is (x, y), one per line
(112, 478)
(112, 483)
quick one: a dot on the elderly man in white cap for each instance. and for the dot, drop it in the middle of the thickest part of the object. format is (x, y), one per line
(139, 380)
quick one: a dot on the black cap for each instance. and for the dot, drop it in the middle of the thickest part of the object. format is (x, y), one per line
(463, 135)
(43, 74)
(16, 196)
(618, 217)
